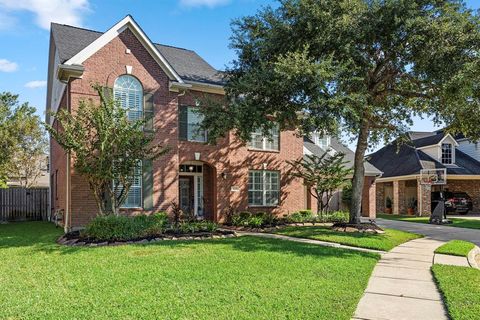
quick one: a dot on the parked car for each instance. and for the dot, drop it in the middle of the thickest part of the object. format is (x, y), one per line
(455, 202)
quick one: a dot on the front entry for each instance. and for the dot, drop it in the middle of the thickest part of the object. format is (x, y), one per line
(191, 193)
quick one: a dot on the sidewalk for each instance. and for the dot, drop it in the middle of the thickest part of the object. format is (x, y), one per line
(402, 286)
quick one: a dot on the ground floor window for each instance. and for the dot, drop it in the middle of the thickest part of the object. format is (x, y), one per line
(263, 188)
(134, 197)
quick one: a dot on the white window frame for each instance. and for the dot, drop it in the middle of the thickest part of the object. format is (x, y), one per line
(128, 91)
(139, 175)
(267, 141)
(442, 152)
(266, 187)
(190, 135)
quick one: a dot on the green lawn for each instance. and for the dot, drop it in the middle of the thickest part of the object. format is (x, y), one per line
(456, 248)
(460, 287)
(235, 278)
(456, 222)
(386, 242)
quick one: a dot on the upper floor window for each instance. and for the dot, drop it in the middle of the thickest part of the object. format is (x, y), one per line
(190, 125)
(447, 153)
(323, 141)
(261, 142)
(128, 91)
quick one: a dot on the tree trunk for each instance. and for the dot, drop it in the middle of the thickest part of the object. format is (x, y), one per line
(359, 173)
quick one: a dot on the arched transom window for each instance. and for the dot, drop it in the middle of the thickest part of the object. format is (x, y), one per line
(129, 92)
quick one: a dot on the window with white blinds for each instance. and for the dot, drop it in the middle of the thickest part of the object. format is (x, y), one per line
(263, 188)
(134, 197)
(261, 142)
(128, 91)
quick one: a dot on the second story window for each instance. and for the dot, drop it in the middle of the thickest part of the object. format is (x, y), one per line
(259, 141)
(128, 91)
(447, 153)
(190, 125)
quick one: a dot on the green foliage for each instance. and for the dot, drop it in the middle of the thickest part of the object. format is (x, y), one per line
(347, 194)
(322, 175)
(460, 288)
(364, 68)
(23, 142)
(122, 228)
(107, 147)
(456, 248)
(388, 202)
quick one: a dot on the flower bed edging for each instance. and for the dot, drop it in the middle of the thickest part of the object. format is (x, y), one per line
(79, 242)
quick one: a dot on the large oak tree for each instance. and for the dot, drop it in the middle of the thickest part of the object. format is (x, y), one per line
(364, 67)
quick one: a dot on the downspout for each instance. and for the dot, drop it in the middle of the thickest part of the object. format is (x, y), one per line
(67, 217)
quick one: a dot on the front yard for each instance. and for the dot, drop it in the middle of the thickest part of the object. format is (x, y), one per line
(387, 241)
(456, 222)
(460, 287)
(236, 278)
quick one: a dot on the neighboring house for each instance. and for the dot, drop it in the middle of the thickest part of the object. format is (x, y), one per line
(165, 81)
(34, 176)
(401, 164)
(318, 145)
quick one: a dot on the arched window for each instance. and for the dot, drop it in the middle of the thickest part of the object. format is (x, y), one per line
(129, 92)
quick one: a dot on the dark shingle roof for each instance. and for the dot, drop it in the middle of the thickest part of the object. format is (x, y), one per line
(188, 64)
(336, 145)
(405, 159)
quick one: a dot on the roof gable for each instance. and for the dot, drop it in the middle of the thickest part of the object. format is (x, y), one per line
(102, 40)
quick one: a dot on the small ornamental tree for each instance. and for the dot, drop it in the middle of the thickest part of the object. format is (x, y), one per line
(322, 176)
(106, 147)
(362, 67)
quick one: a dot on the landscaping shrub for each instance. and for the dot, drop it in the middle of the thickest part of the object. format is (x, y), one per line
(335, 217)
(300, 216)
(254, 222)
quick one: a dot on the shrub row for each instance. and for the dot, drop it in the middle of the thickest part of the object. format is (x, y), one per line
(122, 228)
(265, 219)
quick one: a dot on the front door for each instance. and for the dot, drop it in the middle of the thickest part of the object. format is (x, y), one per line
(185, 194)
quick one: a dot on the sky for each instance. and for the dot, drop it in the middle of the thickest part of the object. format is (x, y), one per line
(199, 25)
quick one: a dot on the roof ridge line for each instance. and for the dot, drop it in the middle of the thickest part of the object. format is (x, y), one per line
(75, 27)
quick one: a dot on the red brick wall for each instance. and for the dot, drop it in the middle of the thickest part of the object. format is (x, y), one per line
(229, 159)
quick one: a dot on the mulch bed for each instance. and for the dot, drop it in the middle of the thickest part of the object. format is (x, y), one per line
(361, 227)
(75, 239)
(268, 229)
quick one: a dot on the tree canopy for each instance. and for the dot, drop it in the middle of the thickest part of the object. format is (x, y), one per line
(362, 67)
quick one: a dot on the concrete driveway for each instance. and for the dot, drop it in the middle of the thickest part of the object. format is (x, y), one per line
(436, 232)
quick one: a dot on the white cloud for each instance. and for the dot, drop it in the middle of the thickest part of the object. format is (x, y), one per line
(203, 3)
(46, 11)
(7, 66)
(36, 84)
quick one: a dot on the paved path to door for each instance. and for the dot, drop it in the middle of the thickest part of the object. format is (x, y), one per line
(402, 286)
(436, 232)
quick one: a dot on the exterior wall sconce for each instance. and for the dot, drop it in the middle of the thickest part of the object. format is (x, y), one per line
(224, 175)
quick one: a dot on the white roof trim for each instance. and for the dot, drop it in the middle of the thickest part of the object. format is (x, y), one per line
(113, 32)
(448, 135)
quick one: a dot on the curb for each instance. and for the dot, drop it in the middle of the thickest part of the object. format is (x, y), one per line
(471, 257)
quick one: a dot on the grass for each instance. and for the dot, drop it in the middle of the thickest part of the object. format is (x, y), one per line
(456, 248)
(460, 287)
(456, 222)
(387, 241)
(235, 278)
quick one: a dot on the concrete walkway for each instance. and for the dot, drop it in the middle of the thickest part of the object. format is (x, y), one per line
(402, 286)
(303, 240)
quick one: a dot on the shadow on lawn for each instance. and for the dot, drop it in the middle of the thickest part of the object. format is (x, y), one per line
(41, 236)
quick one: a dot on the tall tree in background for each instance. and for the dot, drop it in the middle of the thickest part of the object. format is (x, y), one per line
(23, 143)
(106, 147)
(364, 67)
(322, 176)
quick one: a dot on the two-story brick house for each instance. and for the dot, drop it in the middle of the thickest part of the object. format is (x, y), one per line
(165, 82)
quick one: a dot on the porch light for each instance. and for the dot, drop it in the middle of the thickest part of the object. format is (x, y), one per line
(190, 168)
(224, 175)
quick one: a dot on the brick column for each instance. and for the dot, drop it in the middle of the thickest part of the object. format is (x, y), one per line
(380, 196)
(424, 199)
(369, 198)
(399, 206)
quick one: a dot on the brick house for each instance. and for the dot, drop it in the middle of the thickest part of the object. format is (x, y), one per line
(165, 82)
(401, 165)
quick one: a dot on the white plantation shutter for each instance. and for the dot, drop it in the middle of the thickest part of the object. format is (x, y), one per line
(128, 91)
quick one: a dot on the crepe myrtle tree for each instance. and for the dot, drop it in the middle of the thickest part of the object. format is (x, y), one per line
(106, 147)
(362, 67)
(322, 175)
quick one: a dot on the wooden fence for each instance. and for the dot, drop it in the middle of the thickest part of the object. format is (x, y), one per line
(21, 204)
